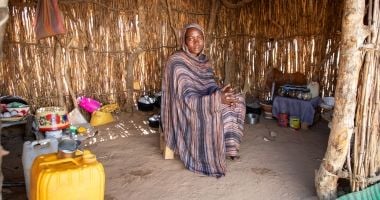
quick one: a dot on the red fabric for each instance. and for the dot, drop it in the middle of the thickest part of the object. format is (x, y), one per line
(49, 19)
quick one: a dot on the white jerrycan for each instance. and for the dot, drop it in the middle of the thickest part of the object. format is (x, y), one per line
(33, 149)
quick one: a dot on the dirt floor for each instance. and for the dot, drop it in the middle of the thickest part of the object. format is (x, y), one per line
(274, 166)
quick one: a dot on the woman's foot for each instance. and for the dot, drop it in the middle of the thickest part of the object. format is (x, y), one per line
(233, 157)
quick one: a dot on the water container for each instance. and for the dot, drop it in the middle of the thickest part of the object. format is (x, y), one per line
(53, 134)
(282, 119)
(33, 149)
(79, 178)
(314, 89)
(294, 122)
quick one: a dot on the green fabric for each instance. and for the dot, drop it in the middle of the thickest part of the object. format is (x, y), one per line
(15, 105)
(370, 193)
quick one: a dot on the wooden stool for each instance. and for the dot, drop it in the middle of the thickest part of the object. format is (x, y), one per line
(166, 151)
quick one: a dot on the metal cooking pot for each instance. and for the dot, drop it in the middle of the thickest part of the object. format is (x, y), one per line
(252, 118)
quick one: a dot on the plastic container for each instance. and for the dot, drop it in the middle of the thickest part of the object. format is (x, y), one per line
(314, 89)
(52, 118)
(294, 122)
(81, 177)
(283, 119)
(53, 134)
(33, 149)
(73, 131)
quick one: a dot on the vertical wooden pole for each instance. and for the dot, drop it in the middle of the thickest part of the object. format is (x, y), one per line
(214, 9)
(353, 35)
(67, 76)
(171, 22)
(130, 63)
(57, 71)
(132, 56)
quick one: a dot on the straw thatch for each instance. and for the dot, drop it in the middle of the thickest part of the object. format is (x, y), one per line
(109, 45)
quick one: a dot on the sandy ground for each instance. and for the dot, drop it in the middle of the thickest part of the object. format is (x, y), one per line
(280, 167)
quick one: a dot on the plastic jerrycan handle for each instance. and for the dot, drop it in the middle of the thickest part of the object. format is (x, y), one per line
(40, 142)
(63, 160)
(59, 161)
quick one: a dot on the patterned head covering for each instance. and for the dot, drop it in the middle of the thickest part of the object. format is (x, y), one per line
(183, 36)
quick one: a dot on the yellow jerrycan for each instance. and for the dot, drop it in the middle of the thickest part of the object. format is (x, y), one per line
(79, 178)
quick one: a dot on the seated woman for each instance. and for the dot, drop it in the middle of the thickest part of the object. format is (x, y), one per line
(202, 122)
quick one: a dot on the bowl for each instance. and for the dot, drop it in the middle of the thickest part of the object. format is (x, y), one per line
(146, 103)
(11, 99)
(329, 101)
(266, 107)
(154, 121)
(268, 115)
(145, 106)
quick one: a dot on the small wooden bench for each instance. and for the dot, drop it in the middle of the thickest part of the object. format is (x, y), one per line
(166, 151)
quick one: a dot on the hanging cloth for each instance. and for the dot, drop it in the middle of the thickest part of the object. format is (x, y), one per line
(49, 19)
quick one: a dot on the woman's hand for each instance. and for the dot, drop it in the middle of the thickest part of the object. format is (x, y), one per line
(228, 96)
(227, 88)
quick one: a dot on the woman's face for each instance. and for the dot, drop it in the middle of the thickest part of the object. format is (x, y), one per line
(194, 41)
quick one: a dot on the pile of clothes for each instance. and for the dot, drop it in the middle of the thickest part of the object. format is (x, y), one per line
(13, 108)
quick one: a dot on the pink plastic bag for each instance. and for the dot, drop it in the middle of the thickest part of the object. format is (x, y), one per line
(88, 104)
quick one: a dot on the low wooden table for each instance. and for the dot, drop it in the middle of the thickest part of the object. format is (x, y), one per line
(305, 110)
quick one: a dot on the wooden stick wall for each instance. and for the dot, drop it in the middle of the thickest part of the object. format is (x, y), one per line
(353, 149)
(114, 44)
(365, 151)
